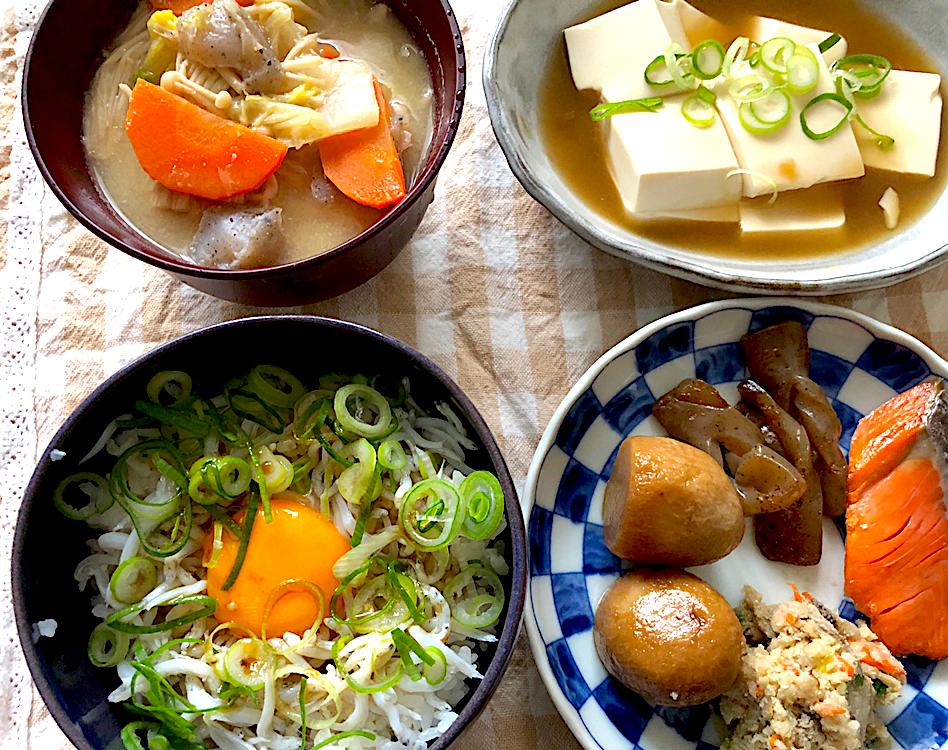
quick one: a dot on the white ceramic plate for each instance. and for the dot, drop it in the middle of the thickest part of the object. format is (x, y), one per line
(859, 363)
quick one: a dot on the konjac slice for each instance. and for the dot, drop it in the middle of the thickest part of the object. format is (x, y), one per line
(192, 151)
(897, 521)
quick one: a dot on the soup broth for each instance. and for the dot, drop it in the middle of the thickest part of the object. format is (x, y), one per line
(575, 143)
(316, 216)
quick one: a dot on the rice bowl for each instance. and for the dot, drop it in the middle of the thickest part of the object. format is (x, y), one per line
(431, 711)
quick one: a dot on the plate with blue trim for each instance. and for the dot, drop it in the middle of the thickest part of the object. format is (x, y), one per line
(860, 364)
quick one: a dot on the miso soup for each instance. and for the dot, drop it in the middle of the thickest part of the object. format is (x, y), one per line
(314, 215)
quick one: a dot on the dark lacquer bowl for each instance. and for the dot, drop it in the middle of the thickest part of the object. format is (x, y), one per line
(47, 545)
(53, 95)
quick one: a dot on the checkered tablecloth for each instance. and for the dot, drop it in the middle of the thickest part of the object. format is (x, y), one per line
(492, 288)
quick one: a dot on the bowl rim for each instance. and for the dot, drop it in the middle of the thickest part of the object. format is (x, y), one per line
(878, 328)
(507, 638)
(696, 270)
(180, 267)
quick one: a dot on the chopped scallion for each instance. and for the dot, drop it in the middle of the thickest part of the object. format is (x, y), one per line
(833, 99)
(602, 111)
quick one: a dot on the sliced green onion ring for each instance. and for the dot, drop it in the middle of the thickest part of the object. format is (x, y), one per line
(438, 669)
(176, 384)
(483, 497)
(277, 471)
(368, 397)
(803, 71)
(431, 514)
(93, 486)
(707, 59)
(249, 405)
(246, 662)
(133, 579)
(775, 53)
(141, 507)
(129, 734)
(884, 142)
(678, 63)
(767, 115)
(289, 587)
(228, 477)
(406, 646)
(354, 482)
(697, 110)
(653, 69)
(107, 647)
(735, 55)
(386, 680)
(773, 109)
(392, 388)
(310, 414)
(833, 99)
(750, 88)
(276, 386)
(872, 70)
(469, 606)
(846, 84)
(602, 111)
(391, 455)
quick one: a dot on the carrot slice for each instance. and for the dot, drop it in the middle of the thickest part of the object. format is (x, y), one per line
(179, 6)
(192, 151)
(364, 164)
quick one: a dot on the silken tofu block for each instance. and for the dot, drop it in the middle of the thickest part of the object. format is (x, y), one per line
(609, 54)
(763, 28)
(789, 156)
(726, 214)
(661, 163)
(908, 108)
(817, 208)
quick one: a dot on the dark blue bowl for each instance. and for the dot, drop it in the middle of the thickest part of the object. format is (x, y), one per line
(47, 546)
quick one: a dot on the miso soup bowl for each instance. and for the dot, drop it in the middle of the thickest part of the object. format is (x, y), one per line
(529, 34)
(53, 97)
(47, 546)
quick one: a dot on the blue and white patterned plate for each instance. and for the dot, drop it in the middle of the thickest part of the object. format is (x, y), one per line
(860, 364)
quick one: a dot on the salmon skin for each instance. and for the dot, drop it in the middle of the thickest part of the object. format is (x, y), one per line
(897, 521)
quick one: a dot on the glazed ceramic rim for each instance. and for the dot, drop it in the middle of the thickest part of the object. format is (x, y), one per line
(506, 641)
(692, 269)
(880, 330)
(170, 264)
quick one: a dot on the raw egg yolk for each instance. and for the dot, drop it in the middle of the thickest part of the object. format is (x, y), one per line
(298, 544)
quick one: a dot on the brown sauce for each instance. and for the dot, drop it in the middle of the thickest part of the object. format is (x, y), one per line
(574, 142)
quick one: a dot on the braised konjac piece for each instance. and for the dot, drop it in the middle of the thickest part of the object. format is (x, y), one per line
(694, 412)
(778, 357)
(793, 535)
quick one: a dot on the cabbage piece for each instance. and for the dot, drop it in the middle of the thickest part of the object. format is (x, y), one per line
(348, 92)
(280, 28)
(223, 35)
(294, 125)
(241, 238)
(163, 47)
